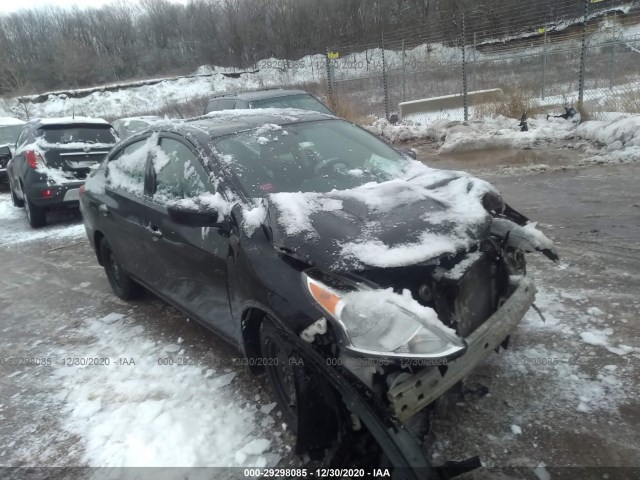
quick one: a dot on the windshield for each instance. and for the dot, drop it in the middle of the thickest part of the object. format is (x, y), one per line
(309, 157)
(77, 134)
(302, 101)
(9, 134)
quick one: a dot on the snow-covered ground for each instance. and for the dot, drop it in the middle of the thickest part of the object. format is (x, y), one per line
(111, 389)
(129, 414)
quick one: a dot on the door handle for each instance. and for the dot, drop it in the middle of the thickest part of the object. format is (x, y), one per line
(103, 210)
(155, 232)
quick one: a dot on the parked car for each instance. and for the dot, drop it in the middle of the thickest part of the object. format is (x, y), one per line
(125, 127)
(363, 283)
(9, 130)
(52, 160)
(269, 98)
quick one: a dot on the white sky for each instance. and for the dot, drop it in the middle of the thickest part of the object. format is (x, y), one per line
(7, 6)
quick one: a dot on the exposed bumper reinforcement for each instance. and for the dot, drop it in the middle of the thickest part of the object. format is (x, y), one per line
(412, 395)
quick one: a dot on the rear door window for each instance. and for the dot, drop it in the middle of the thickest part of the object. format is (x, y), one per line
(212, 106)
(227, 104)
(302, 102)
(22, 139)
(178, 172)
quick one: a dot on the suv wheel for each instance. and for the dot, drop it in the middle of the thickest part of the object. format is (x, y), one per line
(14, 198)
(37, 216)
(121, 283)
(282, 367)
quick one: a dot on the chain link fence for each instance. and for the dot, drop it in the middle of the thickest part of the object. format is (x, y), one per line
(589, 61)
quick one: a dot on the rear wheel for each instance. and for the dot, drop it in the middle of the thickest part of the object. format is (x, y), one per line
(282, 366)
(37, 216)
(121, 283)
(14, 198)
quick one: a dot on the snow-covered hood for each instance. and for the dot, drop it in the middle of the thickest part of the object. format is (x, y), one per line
(381, 225)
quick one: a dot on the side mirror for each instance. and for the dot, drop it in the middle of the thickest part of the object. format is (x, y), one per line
(5, 153)
(191, 217)
(409, 153)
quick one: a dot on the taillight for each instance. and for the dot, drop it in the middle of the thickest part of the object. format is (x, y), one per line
(81, 189)
(33, 158)
(48, 193)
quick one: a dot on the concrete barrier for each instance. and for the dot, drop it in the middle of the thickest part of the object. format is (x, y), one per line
(437, 104)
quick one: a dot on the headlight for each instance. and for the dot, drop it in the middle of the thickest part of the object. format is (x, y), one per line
(383, 323)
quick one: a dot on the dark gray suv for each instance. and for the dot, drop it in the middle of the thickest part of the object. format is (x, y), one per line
(274, 98)
(52, 159)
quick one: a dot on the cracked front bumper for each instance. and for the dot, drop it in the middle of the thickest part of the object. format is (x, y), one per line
(412, 395)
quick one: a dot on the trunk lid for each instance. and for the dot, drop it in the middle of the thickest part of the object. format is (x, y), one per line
(74, 148)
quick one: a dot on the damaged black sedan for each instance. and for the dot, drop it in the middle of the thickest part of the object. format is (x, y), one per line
(363, 283)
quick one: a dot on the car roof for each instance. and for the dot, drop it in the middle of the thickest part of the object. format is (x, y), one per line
(40, 122)
(144, 118)
(226, 122)
(10, 121)
(260, 94)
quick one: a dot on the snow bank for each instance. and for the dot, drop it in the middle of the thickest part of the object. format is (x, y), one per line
(496, 133)
(625, 130)
(618, 138)
(6, 121)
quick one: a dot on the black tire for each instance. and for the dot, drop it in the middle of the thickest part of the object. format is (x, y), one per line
(14, 198)
(37, 216)
(121, 283)
(283, 370)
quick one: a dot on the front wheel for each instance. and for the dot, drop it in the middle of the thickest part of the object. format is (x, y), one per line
(282, 365)
(121, 283)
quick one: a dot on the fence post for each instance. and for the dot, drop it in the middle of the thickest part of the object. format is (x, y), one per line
(464, 72)
(404, 73)
(475, 62)
(583, 55)
(544, 63)
(612, 72)
(384, 80)
(329, 82)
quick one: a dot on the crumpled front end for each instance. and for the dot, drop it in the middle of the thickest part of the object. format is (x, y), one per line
(482, 294)
(418, 390)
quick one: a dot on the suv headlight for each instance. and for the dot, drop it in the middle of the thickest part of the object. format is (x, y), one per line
(381, 322)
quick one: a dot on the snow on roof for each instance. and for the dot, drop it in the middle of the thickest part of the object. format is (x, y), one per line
(70, 120)
(143, 118)
(4, 121)
(287, 114)
(231, 121)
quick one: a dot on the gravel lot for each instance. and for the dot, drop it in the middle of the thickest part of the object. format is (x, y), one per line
(565, 395)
